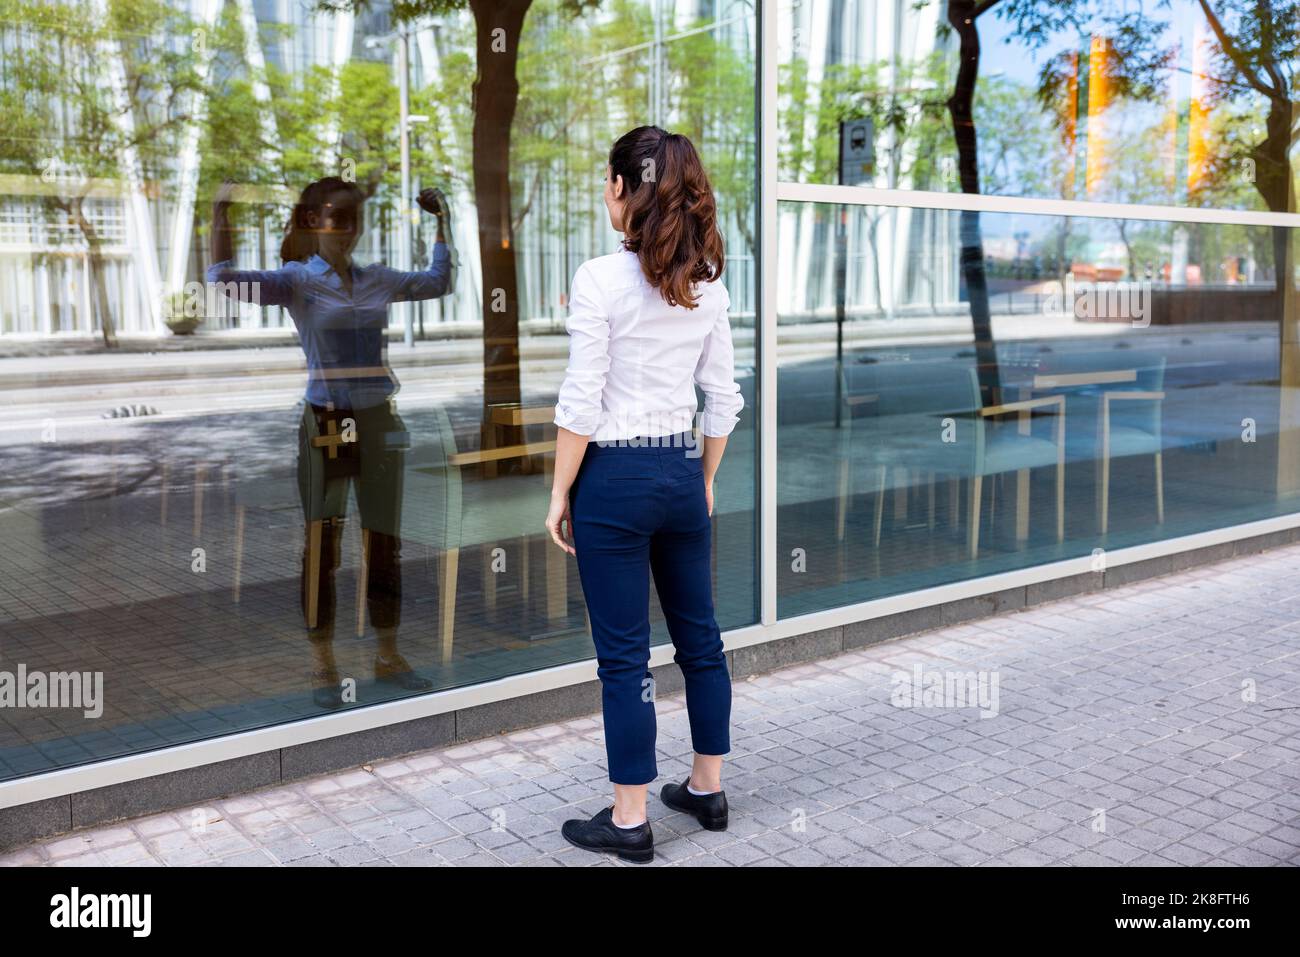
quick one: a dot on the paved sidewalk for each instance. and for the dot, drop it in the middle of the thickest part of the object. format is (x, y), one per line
(1154, 724)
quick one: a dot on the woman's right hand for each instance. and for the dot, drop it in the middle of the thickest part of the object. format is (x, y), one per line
(559, 522)
(708, 496)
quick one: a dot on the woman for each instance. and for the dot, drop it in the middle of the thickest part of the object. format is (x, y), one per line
(350, 433)
(633, 490)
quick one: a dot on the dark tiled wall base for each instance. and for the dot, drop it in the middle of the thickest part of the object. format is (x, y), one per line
(29, 822)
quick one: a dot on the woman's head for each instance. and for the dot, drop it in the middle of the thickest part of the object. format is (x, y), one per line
(327, 220)
(659, 197)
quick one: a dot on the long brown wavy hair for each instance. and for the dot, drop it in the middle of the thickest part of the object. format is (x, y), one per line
(670, 219)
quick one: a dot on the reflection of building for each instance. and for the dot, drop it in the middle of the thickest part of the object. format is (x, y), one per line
(897, 36)
(152, 248)
(150, 241)
(44, 269)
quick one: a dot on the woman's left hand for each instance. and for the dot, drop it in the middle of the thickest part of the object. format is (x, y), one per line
(559, 522)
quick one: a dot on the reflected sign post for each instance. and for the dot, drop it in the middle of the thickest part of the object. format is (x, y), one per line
(857, 164)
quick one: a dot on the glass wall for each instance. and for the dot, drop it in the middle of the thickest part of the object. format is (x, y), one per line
(929, 433)
(240, 505)
(970, 390)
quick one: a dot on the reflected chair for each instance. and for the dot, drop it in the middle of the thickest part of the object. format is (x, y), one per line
(446, 514)
(432, 512)
(855, 401)
(431, 515)
(1128, 394)
(929, 418)
(1131, 426)
(1128, 440)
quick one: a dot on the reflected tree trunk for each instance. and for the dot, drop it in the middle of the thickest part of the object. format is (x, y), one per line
(1253, 52)
(962, 15)
(1123, 228)
(95, 254)
(1275, 183)
(1273, 180)
(499, 24)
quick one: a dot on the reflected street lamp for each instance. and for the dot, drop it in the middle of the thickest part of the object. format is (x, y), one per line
(405, 211)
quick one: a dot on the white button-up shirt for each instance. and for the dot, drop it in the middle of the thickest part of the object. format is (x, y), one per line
(634, 360)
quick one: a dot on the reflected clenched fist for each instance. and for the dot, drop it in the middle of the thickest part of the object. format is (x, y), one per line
(433, 201)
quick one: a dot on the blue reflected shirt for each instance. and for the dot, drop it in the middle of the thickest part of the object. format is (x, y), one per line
(342, 335)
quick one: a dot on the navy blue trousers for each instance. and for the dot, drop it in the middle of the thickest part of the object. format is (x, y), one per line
(638, 512)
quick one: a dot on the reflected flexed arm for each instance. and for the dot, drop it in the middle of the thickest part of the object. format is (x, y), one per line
(436, 280)
(262, 287)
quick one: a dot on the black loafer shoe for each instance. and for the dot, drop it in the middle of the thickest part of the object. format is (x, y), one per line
(709, 809)
(635, 844)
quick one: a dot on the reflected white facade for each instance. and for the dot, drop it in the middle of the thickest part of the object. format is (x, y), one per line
(154, 240)
(882, 279)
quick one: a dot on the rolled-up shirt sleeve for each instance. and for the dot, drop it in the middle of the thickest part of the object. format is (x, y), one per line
(579, 406)
(715, 374)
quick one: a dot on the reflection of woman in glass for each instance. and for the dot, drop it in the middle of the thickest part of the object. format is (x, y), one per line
(647, 325)
(350, 431)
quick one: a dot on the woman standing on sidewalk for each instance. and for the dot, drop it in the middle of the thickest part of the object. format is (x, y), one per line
(633, 491)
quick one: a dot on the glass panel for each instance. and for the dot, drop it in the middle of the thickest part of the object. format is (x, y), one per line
(1000, 391)
(1103, 100)
(243, 505)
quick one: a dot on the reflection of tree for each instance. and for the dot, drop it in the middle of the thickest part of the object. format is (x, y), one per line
(583, 84)
(1262, 50)
(900, 98)
(1255, 49)
(712, 97)
(544, 107)
(1262, 55)
(498, 25)
(962, 17)
(1258, 44)
(1139, 180)
(1254, 53)
(1021, 151)
(63, 65)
